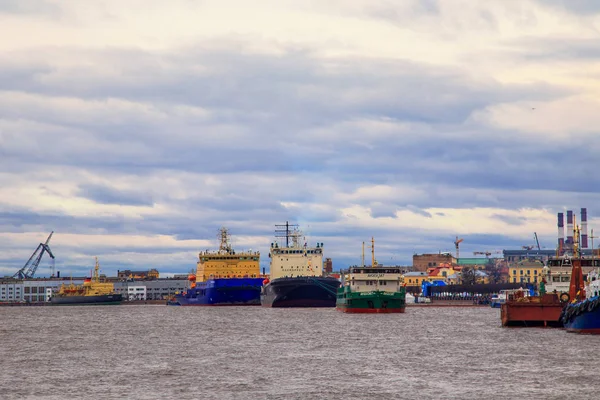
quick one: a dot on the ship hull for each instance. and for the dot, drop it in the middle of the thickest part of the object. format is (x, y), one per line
(536, 311)
(377, 302)
(583, 317)
(222, 292)
(106, 299)
(305, 291)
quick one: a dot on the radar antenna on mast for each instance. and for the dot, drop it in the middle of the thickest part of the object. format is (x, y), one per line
(223, 236)
(288, 231)
(28, 270)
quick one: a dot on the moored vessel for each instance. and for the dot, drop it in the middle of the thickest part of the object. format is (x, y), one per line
(296, 277)
(582, 314)
(91, 292)
(520, 309)
(373, 289)
(223, 278)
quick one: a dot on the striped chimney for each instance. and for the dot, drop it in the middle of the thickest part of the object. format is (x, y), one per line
(561, 233)
(570, 228)
(584, 233)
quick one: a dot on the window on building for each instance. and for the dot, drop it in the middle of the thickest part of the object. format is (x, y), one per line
(521, 273)
(514, 271)
(528, 272)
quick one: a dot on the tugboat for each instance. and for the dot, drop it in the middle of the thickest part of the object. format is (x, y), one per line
(92, 292)
(374, 289)
(297, 274)
(223, 278)
(582, 315)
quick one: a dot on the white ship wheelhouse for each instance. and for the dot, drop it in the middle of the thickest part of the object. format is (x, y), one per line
(295, 258)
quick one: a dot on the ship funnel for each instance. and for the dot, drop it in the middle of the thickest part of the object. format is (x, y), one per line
(584, 233)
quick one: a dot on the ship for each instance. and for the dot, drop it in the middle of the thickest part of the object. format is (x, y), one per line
(296, 278)
(223, 278)
(582, 314)
(522, 309)
(91, 292)
(373, 289)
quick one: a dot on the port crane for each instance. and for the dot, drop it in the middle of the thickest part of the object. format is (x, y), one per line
(28, 270)
(487, 253)
(537, 243)
(456, 243)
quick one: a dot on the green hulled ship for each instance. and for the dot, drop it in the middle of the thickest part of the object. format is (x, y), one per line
(374, 289)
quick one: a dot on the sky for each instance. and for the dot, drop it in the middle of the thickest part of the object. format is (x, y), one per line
(135, 129)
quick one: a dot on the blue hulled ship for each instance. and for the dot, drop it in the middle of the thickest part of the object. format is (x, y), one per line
(582, 314)
(223, 292)
(224, 278)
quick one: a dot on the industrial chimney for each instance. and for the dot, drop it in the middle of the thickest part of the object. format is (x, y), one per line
(561, 233)
(569, 229)
(584, 232)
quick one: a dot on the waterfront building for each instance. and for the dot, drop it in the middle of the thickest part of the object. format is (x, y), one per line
(129, 274)
(442, 272)
(475, 262)
(526, 271)
(515, 256)
(415, 278)
(158, 289)
(421, 262)
(41, 289)
(32, 290)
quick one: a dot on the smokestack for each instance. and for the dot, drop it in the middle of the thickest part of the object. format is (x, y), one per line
(584, 235)
(561, 233)
(570, 228)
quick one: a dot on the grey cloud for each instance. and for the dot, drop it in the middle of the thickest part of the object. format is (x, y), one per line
(589, 7)
(292, 124)
(106, 195)
(35, 7)
(510, 220)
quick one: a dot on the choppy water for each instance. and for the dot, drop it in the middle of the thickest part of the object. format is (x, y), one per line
(159, 352)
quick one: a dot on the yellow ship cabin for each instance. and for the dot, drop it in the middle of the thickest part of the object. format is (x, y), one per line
(227, 263)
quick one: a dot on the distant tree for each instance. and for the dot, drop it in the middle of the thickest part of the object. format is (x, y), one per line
(468, 275)
(494, 272)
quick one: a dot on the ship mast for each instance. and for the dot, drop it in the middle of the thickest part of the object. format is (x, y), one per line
(363, 255)
(577, 285)
(224, 246)
(287, 231)
(96, 269)
(372, 252)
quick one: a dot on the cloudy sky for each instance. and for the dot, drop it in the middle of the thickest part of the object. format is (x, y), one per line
(134, 129)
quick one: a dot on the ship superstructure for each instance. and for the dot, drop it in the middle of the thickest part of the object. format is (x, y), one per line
(296, 278)
(296, 258)
(92, 291)
(226, 262)
(372, 289)
(224, 277)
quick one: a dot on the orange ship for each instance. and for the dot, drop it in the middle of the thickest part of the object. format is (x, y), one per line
(521, 310)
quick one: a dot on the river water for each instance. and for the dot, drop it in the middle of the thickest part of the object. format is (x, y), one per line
(160, 352)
